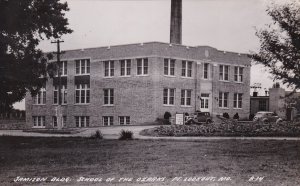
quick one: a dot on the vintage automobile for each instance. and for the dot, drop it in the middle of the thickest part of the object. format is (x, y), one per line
(198, 118)
(267, 117)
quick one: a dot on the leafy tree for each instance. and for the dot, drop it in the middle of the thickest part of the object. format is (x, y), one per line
(23, 24)
(280, 44)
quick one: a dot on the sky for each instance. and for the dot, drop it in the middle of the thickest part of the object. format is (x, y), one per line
(228, 25)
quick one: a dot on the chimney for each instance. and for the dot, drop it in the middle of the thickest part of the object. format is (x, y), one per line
(176, 22)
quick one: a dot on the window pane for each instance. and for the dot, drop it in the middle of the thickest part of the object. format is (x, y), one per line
(82, 66)
(139, 66)
(88, 66)
(182, 97)
(166, 66)
(128, 67)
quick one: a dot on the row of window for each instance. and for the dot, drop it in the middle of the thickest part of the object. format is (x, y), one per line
(83, 68)
(80, 121)
(82, 96)
(237, 100)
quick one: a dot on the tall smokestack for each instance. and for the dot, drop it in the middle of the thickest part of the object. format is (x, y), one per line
(176, 22)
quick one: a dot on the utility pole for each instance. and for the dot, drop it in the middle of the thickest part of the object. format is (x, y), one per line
(59, 109)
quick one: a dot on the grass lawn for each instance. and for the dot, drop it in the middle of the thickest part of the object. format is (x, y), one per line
(277, 161)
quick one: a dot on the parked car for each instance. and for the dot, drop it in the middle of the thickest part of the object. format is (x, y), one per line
(267, 117)
(199, 118)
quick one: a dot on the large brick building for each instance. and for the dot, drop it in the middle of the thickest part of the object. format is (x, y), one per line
(138, 83)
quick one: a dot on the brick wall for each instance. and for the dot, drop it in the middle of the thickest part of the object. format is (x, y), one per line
(141, 97)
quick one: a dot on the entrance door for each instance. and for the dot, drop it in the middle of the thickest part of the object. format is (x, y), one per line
(204, 102)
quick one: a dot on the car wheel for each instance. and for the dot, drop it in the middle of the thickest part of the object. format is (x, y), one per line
(266, 121)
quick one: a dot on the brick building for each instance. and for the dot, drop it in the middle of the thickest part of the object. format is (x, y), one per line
(138, 83)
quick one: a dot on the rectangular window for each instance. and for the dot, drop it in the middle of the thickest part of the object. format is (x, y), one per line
(64, 91)
(39, 121)
(108, 96)
(109, 68)
(169, 67)
(82, 93)
(237, 100)
(186, 97)
(168, 96)
(142, 66)
(63, 121)
(40, 98)
(82, 121)
(82, 66)
(223, 72)
(124, 120)
(223, 99)
(54, 121)
(125, 67)
(186, 69)
(262, 105)
(205, 71)
(63, 68)
(238, 74)
(108, 120)
(204, 101)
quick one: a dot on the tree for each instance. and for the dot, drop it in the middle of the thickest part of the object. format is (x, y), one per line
(23, 24)
(280, 44)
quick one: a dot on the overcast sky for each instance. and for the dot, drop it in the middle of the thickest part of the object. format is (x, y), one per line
(228, 25)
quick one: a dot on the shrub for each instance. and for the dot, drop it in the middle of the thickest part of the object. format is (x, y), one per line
(226, 115)
(126, 135)
(236, 116)
(167, 115)
(251, 116)
(97, 135)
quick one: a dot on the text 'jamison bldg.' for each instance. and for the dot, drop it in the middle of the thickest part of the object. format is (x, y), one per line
(138, 83)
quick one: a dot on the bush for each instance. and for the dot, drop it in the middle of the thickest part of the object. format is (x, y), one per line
(97, 135)
(167, 115)
(226, 115)
(126, 135)
(251, 116)
(236, 116)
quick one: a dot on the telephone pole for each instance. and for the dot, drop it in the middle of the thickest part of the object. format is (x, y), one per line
(59, 109)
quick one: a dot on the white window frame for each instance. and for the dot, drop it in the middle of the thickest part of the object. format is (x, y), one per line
(64, 93)
(110, 97)
(222, 73)
(109, 119)
(125, 66)
(222, 99)
(142, 66)
(186, 97)
(206, 71)
(237, 100)
(186, 70)
(170, 98)
(39, 121)
(86, 66)
(87, 92)
(169, 67)
(204, 101)
(40, 98)
(63, 69)
(124, 120)
(82, 121)
(109, 68)
(238, 74)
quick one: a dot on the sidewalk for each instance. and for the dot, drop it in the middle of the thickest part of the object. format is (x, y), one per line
(113, 133)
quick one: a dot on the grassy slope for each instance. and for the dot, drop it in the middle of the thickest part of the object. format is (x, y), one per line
(278, 161)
